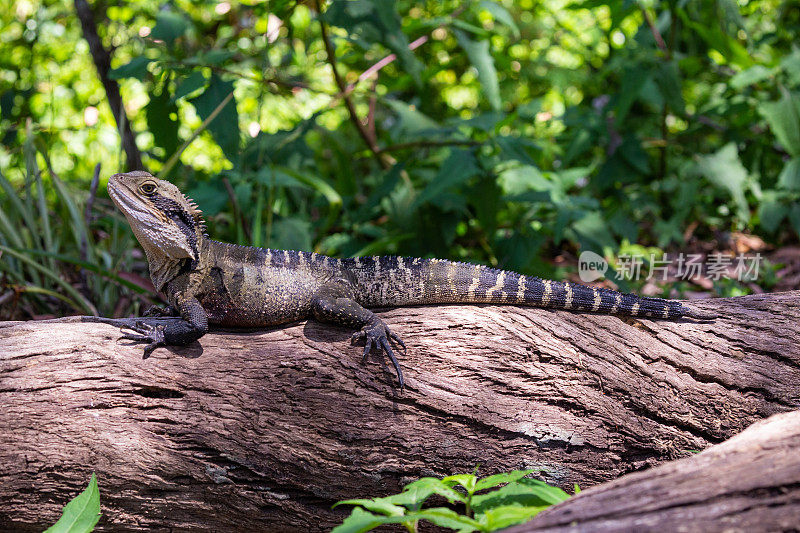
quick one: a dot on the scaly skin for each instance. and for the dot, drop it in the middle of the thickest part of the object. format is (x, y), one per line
(214, 283)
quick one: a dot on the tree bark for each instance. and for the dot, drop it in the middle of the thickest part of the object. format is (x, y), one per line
(265, 430)
(102, 61)
(749, 483)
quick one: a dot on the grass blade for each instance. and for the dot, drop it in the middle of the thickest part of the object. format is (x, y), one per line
(69, 289)
(93, 268)
(44, 217)
(78, 226)
(47, 292)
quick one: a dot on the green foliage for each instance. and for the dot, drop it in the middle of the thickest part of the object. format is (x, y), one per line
(519, 500)
(81, 513)
(518, 130)
(53, 257)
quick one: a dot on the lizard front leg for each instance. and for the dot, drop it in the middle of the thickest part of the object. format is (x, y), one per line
(335, 303)
(194, 324)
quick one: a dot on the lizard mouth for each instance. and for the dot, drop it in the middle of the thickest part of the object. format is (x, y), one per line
(114, 186)
(126, 199)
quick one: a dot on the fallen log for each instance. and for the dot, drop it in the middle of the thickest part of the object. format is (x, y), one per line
(265, 430)
(748, 483)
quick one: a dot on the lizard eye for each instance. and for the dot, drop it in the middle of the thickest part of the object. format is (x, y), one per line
(148, 188)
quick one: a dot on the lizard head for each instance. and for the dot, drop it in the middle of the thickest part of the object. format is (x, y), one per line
(168, 225)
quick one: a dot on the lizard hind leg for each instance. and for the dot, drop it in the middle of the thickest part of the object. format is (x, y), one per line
(335, 303)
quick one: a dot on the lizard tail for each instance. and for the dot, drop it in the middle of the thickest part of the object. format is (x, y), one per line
(391, 281)
(693, 312)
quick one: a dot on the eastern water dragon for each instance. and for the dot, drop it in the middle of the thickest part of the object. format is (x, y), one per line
(214, 283)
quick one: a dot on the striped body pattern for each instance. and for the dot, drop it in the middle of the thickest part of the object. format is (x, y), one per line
(254, 286)
(390, 281)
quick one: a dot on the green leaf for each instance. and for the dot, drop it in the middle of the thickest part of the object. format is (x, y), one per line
(360, 521)
(318, 184)
(225, 126)
(159, 111)
(467, 481)
(784, 120)
(396, 41)
(444, 517)
(210, 196)
(272, 177)
(497, 479)
(91, 267)
(417, 492)
(633, 80)
(411, 121)
(592, 232)
(749, 76)
(482, 60)
(54, 276)
(526, 492)
(376, 505)
(789, 177)
(376, 21)
(81, 513)
(519, 180)
(724, 170)
(169, 26)
(500, 13)
(632, 152)
(135, 68)
(215, 57)
(507, 515)
(771, 212)
(668, 79)
(716, 38)
(729, 14)
(190, 84)
(457, 168)
(791, 66)
(513, 147)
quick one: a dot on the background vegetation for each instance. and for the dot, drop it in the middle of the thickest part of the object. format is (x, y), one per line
(512, 133)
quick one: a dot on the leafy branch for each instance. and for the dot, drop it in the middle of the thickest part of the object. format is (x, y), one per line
(518, 500)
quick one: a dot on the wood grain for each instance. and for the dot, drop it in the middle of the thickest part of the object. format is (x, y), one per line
(265, 430)
(748, 483)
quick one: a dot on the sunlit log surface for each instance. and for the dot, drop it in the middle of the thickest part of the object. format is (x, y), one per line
(265, 430)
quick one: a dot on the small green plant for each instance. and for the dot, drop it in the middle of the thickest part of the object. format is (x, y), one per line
(81, 513)
(519, 500)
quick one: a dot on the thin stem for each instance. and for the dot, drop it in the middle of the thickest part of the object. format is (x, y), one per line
(371, 142)
(656, 34)
(383, 62)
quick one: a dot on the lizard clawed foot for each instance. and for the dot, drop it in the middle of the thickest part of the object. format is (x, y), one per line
(154, 335)
(377, 334)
